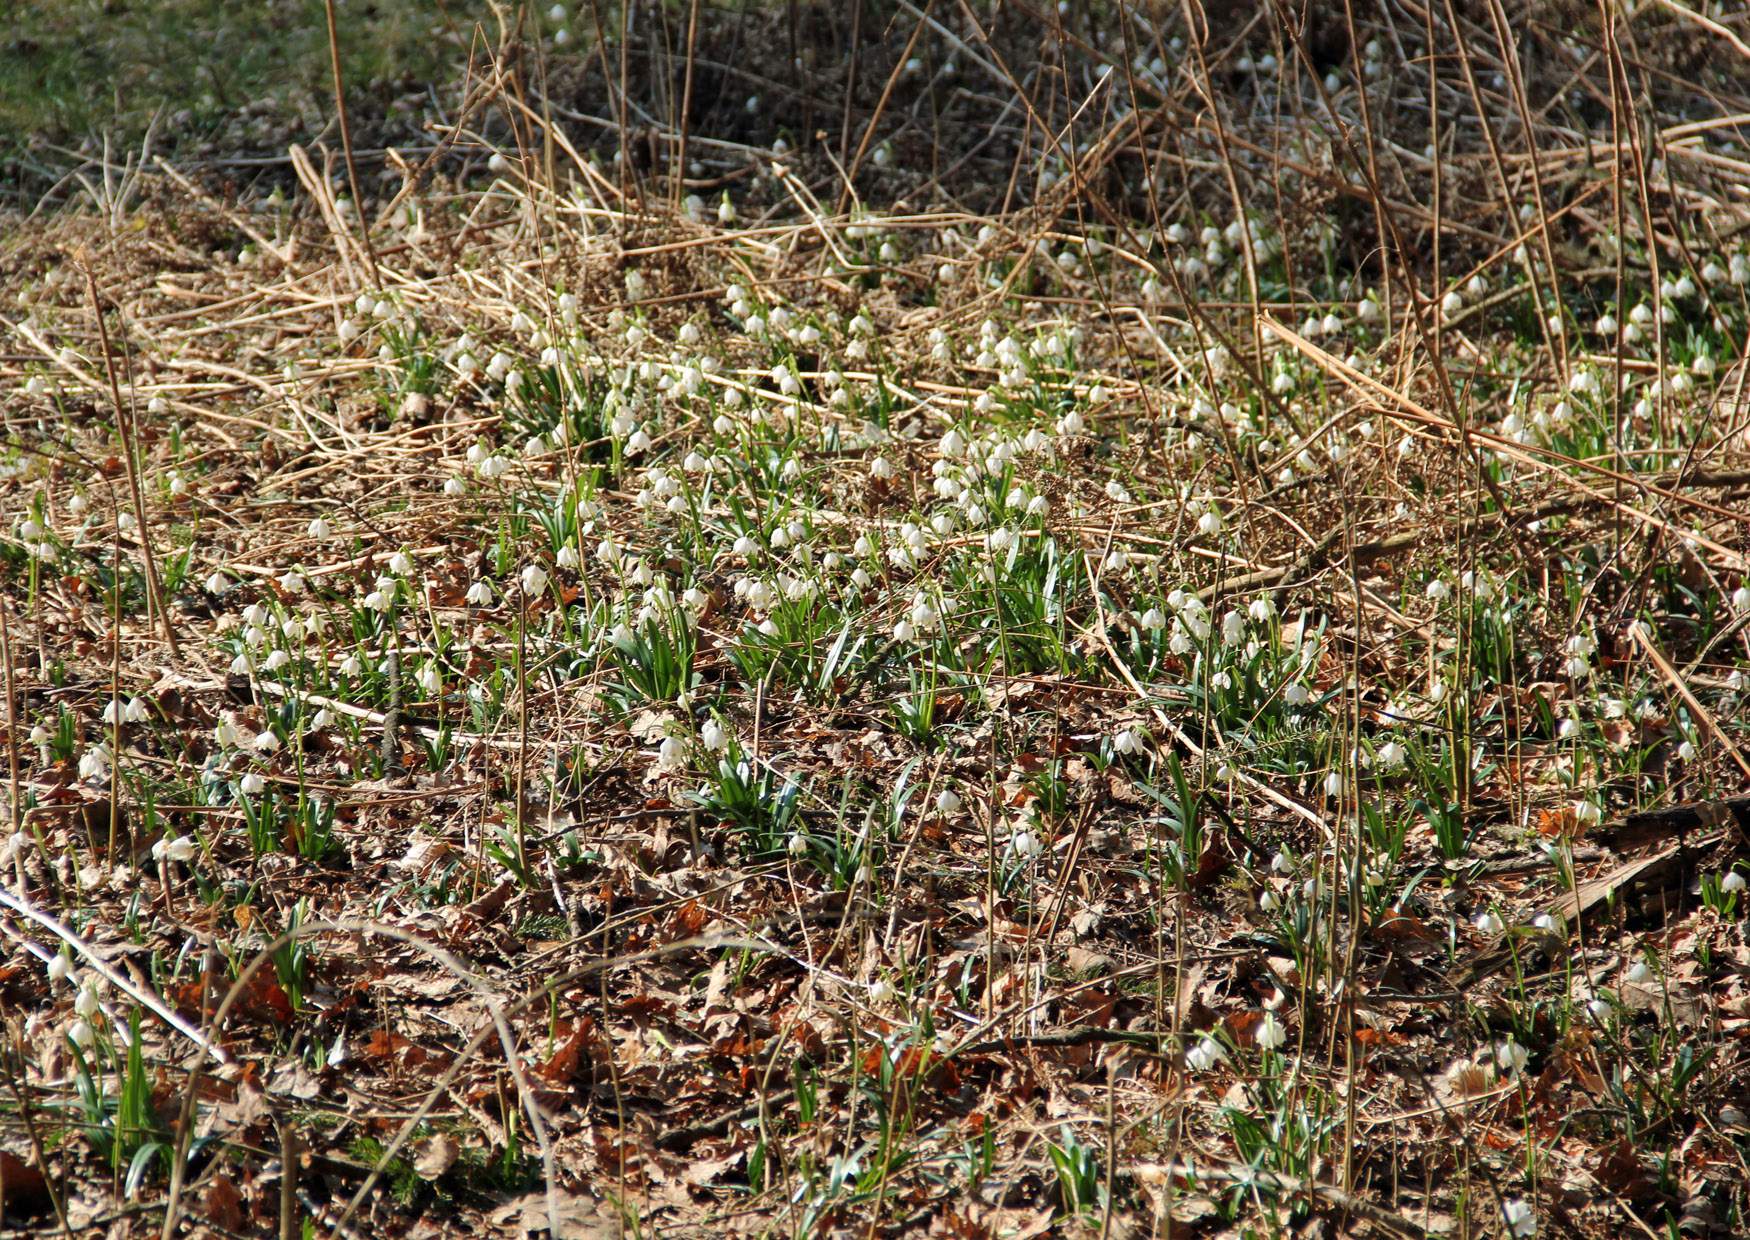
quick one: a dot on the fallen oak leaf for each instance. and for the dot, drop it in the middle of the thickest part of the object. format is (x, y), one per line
(575, 1057)
(223, 1203)
(436, 1156)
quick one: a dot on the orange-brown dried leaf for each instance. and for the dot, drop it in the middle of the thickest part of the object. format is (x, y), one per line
(23, 1190)
(223, 1203)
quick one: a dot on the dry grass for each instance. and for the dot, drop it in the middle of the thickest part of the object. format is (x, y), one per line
(1028, 720)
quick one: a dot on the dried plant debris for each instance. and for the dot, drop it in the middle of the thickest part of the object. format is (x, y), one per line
(1196, 689)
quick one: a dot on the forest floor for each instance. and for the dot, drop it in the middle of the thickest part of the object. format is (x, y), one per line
(1096, 628)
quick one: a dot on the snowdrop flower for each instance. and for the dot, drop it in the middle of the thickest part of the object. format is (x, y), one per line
(1511, 1057)
(1521, 1221)
(1210, 523)
(671, 755)
(1638, 973)
(880, 991)
(182, 848)
(1126, 742)
(1732, 881)
(1488, 922)
(1025, 845)
(948, 802)
(533, 579)
(713, 736)
(81, 1034)
(86, 1003)
(1269, 1034)
(1207, 1053)
(1390, 756)
(1438, 591)
(59, 969)
(266, 741)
